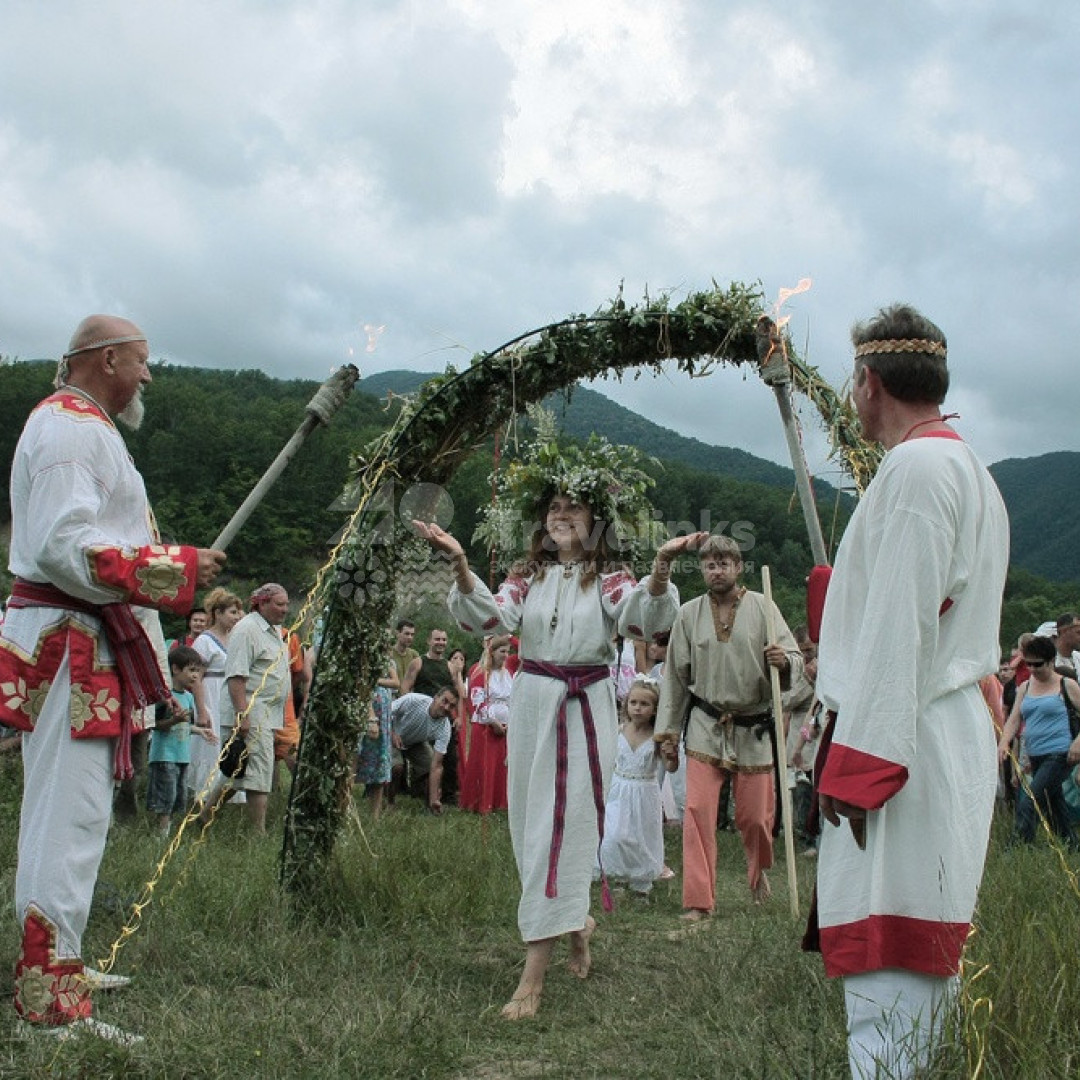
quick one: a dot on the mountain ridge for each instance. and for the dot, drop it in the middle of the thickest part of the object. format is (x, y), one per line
(587, 410)
(1042, 493)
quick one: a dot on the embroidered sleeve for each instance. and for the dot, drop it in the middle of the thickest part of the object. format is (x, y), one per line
(477, 704)
(87, 518)
(636, 612)
(157, 575)
(479, 612)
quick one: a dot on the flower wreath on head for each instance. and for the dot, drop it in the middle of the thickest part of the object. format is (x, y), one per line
(606, 477)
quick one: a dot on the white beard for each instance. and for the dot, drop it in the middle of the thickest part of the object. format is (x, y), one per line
(131, 415)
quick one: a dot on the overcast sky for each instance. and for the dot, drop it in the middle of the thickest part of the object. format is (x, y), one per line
(254, 183)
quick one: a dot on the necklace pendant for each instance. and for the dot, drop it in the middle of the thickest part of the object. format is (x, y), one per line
(554, 622)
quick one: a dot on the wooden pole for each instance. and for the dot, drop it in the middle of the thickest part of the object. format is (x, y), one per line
(775, 373)
(781, 748)
(320, 409)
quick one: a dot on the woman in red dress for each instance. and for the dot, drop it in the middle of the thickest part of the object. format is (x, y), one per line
(489, 708)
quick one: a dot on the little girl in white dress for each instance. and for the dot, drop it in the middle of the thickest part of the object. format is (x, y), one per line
(633, 846)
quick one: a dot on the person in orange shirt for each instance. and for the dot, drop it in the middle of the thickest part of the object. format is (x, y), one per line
(287, 740)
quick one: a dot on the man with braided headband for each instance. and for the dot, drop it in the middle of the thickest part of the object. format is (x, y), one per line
(907, 769)
(75, 658)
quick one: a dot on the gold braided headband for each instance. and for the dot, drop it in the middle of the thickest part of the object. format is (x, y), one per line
(871, 348)
(102, 343)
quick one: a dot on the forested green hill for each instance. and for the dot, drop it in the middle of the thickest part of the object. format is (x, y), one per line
(209, 435)
(1043, 497)
(586, 411)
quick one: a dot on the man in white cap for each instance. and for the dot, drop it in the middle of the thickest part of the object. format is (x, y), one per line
(75, 658)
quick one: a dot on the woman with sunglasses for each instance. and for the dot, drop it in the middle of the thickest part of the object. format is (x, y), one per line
(1048, 739)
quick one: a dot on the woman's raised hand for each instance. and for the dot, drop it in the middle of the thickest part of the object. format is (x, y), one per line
(439, 538)
(678, 544)
(442, 541)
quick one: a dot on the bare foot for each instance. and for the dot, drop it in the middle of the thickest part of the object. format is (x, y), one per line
(695, 915)
(523, 1004)
(761, 892)
(580, 959)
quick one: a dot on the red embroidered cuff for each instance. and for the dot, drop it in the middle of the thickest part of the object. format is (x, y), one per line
(158, 575)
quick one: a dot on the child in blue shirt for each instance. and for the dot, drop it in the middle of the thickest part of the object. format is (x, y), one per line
(170, 750)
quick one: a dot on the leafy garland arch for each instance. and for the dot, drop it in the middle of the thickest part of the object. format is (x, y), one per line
(434, 432)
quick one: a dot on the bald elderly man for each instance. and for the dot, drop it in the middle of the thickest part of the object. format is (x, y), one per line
(75, 656)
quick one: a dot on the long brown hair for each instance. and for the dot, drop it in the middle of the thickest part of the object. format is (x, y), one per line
(599, 560)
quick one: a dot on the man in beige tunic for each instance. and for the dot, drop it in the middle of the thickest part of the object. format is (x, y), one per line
(717, 686)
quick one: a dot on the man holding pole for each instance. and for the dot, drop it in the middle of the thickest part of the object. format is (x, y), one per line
(717, 689)
(75, 660)
(908, 759)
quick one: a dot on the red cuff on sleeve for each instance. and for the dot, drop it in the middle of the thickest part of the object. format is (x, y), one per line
(157, 575)
(861, 779)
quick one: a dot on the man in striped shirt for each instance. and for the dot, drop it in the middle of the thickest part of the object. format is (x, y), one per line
(420, 734)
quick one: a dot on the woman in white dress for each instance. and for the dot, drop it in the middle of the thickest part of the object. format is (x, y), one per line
(225, 610)
(567, 603)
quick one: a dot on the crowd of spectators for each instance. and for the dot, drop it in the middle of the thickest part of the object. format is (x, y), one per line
(1034, 701)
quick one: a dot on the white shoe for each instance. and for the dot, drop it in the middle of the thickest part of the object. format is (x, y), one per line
(78, 1028)
(99, 980)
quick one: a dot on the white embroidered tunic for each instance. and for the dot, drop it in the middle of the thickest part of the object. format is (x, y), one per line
(560, 623)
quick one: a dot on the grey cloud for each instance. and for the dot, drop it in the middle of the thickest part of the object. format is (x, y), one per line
(254, 182)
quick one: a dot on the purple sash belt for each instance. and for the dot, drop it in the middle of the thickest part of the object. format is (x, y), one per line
(578, 678)
(141, 683)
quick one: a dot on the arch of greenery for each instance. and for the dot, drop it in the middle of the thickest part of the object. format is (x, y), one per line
(434, 432)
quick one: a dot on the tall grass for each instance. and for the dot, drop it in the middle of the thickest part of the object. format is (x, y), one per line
(398, 968)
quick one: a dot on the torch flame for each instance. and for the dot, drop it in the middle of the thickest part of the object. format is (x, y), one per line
(784, 296)
(373, 333)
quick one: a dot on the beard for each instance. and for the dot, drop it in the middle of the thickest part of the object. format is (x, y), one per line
(131, 415)
(723, 588)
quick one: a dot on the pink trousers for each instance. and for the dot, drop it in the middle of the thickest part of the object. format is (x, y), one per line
(754, 809)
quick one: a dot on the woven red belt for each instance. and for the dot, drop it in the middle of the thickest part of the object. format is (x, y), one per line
(578, 678)
(141, 683)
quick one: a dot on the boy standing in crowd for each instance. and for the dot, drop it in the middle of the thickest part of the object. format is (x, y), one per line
(170, 741)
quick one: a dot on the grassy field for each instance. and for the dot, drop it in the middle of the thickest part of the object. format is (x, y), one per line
(399, 967)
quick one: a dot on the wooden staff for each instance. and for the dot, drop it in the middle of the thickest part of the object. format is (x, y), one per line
(775, 373)
(781, 747)
(320, 410)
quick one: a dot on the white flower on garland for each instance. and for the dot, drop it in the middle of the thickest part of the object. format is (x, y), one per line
(606, 477)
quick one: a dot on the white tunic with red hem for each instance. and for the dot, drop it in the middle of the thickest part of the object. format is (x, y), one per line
(913, 741)
(81, 524)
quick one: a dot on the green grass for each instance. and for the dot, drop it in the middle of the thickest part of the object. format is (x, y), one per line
(399, 966)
